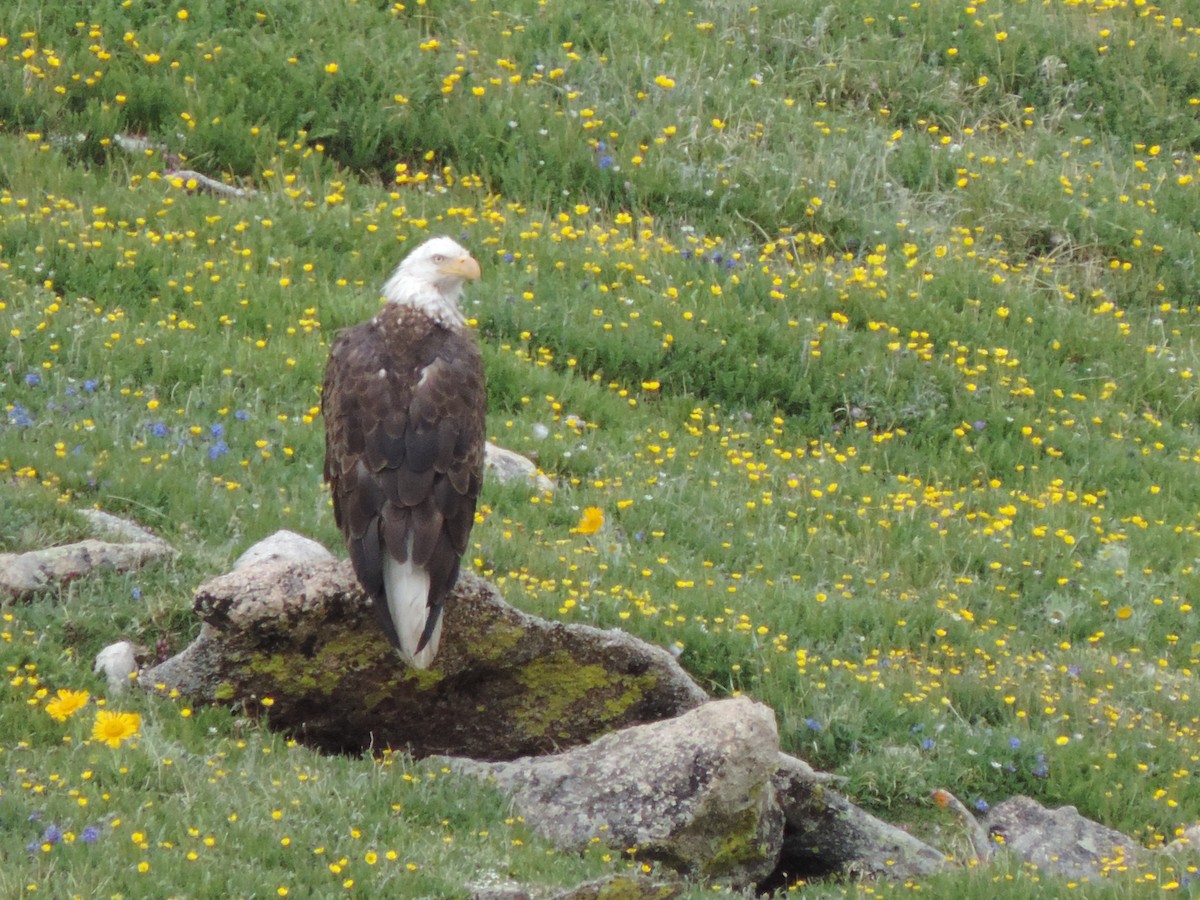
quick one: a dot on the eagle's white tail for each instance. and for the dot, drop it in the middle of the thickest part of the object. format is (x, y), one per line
(407, 589)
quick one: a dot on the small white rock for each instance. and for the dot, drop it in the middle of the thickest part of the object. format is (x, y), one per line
(117, 662)
(284, 546)
(505, 465)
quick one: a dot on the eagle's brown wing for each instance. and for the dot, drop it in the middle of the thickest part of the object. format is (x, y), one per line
(404, 404)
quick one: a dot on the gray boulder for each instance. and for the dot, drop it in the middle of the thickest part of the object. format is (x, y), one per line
(695, 792)
(1059, 841)
(504, 684)
(24, 575)
(827, 835)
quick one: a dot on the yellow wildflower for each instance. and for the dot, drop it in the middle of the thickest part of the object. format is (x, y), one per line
(591, 522)
(66, 704)
(114, 727)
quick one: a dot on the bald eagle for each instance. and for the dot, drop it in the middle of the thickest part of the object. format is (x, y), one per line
(404, 402)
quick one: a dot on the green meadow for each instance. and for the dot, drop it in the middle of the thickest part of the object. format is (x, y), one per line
(860, 339)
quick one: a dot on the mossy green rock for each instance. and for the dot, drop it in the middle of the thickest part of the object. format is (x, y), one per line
(504, 684)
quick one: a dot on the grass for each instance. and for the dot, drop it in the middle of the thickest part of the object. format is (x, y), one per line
(872, 334)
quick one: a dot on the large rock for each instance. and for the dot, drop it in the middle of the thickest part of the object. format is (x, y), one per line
(504, 684)
(695, 792)
(825, 834)
(1060, 841)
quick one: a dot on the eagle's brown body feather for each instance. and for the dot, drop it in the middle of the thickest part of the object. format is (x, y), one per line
(404, 403)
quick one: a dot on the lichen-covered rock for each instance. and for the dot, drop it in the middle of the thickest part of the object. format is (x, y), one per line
(24, 575)
(694, 792)
(504, 684)
(1060, 841)
(826, 835)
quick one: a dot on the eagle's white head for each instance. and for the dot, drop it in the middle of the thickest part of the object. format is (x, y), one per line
(431, 279)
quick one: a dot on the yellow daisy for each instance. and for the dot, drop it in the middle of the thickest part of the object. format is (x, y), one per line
(592, 521)
(113, 727)
(66, 704)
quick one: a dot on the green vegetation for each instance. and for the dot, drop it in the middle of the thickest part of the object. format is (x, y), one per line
(870, 334)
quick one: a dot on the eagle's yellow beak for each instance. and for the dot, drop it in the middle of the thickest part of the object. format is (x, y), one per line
(464, 267)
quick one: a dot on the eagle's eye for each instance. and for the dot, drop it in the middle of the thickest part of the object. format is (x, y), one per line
(438, 259)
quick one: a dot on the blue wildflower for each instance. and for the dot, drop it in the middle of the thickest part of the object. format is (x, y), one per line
(52, 835)
(1042, 769)
(813, 724)
(217, 430)
(158, 429)
(605, 161)
(981, 805)
(33, 379)
(19, 416)
(928, 744)
(90, 835)
(90, 385)
(217, 450)
(241, 415)
(1014, 743)
(136, 593)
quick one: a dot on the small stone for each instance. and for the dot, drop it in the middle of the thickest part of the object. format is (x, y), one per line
(284, 546)
(505, 466)
(117, 662)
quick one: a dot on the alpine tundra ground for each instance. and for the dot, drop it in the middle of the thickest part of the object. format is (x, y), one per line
(861, 340)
